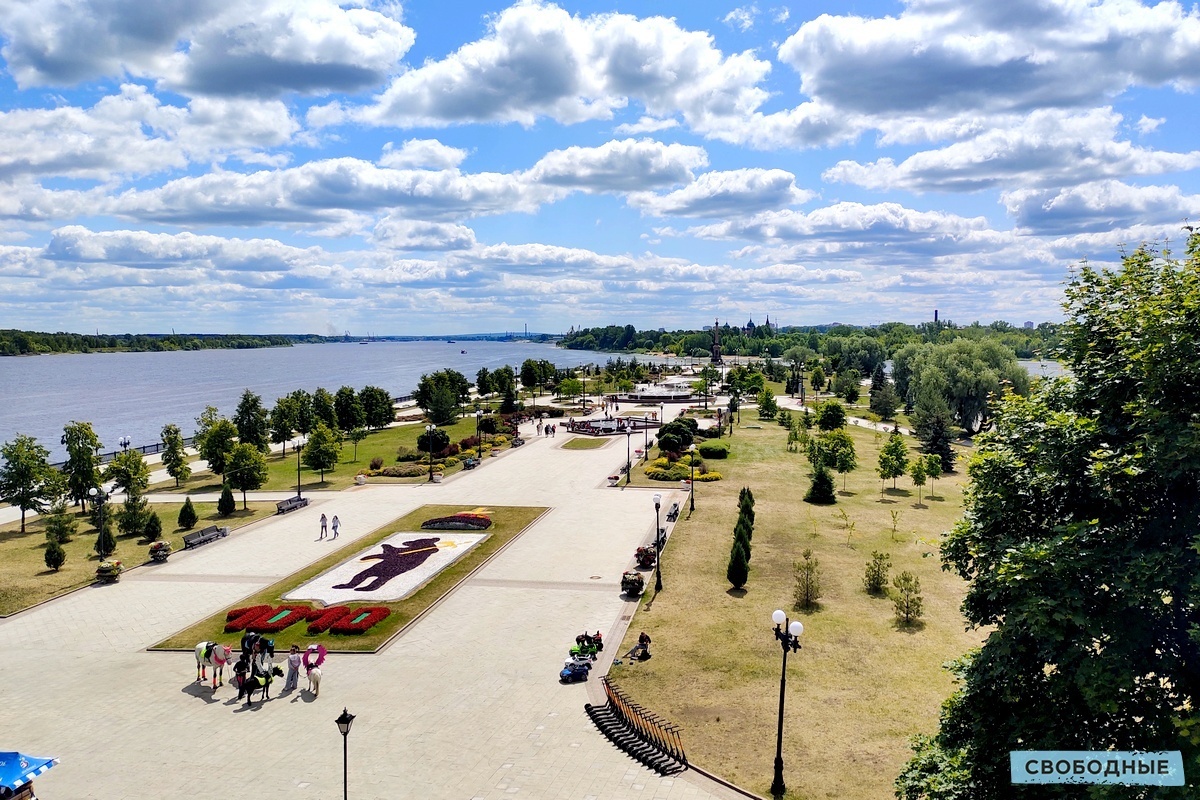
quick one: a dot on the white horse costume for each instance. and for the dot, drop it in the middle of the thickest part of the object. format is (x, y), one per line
(211, 654)
(314, 657)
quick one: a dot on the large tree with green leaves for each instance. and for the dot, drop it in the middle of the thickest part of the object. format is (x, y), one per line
(322, 450)
(128, 472)
(1080, 544)
(246, 469)
(217, 444)
(253, 421)
(437, 394)
(27, 480)
(893, 458)
(82, 469)
(283, 421)
(174, 458)
(323, 408)
(350, 411)
(377, 407)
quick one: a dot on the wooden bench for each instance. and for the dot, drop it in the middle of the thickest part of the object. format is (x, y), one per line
(197, 538)
(673, 512)
(291, 504)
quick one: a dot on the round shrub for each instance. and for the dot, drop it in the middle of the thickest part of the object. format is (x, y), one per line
(377, 463)
(452, 461)
(672, 473)
(713, 449)
(707, 477)
(55, 555)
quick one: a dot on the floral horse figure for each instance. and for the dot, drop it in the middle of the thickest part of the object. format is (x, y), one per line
(211, 654)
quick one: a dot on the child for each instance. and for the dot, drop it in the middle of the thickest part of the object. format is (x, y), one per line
(294, 660)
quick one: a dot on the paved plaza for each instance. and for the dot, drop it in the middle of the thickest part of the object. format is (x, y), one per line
(466, 704)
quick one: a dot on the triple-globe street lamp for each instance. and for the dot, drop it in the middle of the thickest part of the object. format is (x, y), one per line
(692, 481)
(429, 429)
(788, 634)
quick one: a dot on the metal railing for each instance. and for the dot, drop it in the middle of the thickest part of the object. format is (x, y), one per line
(146, 450)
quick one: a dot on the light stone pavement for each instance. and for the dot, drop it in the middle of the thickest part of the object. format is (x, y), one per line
(465, 705)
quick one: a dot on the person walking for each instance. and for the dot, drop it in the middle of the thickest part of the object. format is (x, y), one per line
(294, 661)
(324, 527)
(336, 524)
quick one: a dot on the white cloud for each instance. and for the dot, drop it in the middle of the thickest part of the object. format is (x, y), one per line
(619, 166)
(421, 153)
(1147, 125)
(646, 125)
(1047, 148)
(733, 193)
(742, 17)
(243, 47)
(781, 15)
(1100, 206)
(405, 234)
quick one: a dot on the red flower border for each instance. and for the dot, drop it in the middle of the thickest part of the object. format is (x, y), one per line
(335, 619)
(375, 615)
(239, 619)
(321, 619)
(296, 613)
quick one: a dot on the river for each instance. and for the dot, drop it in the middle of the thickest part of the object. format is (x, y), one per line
(135, 394)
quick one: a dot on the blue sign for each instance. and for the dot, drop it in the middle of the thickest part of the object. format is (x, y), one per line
(1118, 767)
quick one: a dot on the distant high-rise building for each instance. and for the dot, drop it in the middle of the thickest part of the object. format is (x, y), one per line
(935, 316)
(1028, 323)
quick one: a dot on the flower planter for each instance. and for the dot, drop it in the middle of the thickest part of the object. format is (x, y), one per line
(437, 477)
(613, 480)
(109, 572)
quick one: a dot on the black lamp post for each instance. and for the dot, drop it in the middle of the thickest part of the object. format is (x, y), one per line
(344, 722)
(628, 463)
(658, 546)
(788, 634)
(692, 481)
(101, 497)
(124, 441)
(478, 426)
(645, 438)
(297, 448)
(429, 429)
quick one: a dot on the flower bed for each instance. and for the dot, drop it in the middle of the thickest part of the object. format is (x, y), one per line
(239, 619)
(458, 522)
(360, 620)
(336, 619)
(324, 618)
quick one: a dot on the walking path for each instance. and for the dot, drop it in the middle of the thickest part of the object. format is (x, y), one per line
(465, 705)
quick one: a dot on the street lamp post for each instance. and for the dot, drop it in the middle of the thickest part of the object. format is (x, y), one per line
(429, 429)
(478, 428)
(344, 722)
(658, 546)
(788, 634)
(645, 437)
(124, 441)
(101, 497)
(628, 462)
(299, 444)
(692, 481)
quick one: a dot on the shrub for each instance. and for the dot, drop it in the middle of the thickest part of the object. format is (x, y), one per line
(822, 491)
(906, 597)
(187, 515)
(55, 555)
(377, 463)
(738, 570)
(469, 443)
(831, 415)
(404, 471)
(876, 577)
(808, 580)
(226, 505)
(672, 473)
(153, 529)
(707, 477)
(501, 438)
(714, 449)
(106, 544)
(441, 441)
(452, 461)
(407, 454)
(662, 463)
(60, 525)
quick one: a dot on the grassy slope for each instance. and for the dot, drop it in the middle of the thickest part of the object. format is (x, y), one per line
(861, 686)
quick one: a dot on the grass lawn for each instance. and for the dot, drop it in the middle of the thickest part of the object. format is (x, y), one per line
(585, 443)
(861, 685)
(382, 443)
(24, 579)
(508, 522)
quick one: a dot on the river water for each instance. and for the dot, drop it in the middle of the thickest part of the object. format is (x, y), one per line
(135, 394)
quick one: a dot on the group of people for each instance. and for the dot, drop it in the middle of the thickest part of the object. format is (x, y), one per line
(257, 660)
(641, 650)
(547, 429)
(325, 524)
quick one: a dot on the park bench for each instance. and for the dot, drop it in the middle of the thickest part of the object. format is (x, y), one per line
(291, 504)
(673, 512)
(197, 538)
(470, 463)
(518, 442)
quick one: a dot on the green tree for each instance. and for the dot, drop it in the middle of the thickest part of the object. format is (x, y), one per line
(55, 556)
(174, 458)
(217, 444)
(323, 408)
(204, 424)
(571, 388)
(933, 469)
(767, 407)
(846, 385)
(1079, 544)
(27, 480)
(907, 599)
(885, 401)
(893, 458)
(187, 515)
(61, 525)
(82, 469)
(531, 374)
(483, 382)
(932, 425)
(377, 406)
(128, 472)
(817, 379)
(438, 394)
(917, 473)
(845, 460)
(246, 470)
(350, 411)
(831, 415)
(321, 451)
(153, 529)
(253, 421)
(875, 578)
(356, 435)
(131, 519)
(737, 572)
(304, 419)
(283, 421)
(102, 520)
(807, 573)
(822, 491)
(226, 505)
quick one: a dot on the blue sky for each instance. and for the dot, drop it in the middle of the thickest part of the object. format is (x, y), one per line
(399, 168)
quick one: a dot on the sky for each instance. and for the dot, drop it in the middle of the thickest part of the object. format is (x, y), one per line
(308, 166)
